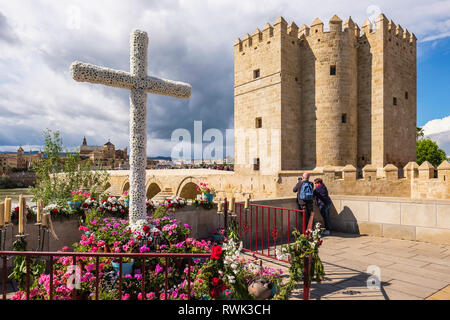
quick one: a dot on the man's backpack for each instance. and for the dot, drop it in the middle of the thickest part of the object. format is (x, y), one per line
(307, 191)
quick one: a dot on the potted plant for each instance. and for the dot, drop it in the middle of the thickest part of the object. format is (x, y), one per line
(207, 191)
(78, 197)
(126, 199)
(127, 263)
(218, 235)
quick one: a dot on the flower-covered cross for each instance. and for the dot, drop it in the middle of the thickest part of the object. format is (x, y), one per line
(139, 83)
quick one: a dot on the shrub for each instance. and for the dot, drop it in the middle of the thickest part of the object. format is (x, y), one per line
(160, 213)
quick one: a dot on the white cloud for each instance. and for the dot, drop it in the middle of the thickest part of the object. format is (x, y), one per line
(439, 131)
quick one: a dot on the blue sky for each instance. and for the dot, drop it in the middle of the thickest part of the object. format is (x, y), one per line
(190, 41)
(433, 83)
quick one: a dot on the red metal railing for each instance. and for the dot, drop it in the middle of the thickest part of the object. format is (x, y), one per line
(52, 255)
(263, 229)
(258, 221)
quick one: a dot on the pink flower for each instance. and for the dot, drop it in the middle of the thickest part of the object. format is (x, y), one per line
(101, 243)
(144, 249)
(151, 296)
(126, 296)
(65, 249)
(90, 267)
(158, 269)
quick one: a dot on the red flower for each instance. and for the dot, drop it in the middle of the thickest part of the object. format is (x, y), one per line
(147, 229)
(85, 206)
(216, 252)
(54, 211)
(215, 281)
(16, 209)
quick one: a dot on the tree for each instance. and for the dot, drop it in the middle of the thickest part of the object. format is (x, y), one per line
(428, 150)
(419, 133)
(57, 177)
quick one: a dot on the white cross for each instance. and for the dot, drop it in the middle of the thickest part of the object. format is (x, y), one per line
(139, 83)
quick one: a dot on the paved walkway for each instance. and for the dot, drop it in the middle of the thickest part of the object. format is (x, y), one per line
(409, 270)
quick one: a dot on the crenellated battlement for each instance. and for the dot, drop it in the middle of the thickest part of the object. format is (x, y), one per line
(412, 171)
(317, 28)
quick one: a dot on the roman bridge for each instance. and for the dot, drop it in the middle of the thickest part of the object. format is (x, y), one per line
(161, 184)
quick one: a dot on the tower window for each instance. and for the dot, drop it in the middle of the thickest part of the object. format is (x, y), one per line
(406, 95)
(395, 101)
(256, 74)
(258, 123)
(344, 118)
(332, 70)
(256, 164)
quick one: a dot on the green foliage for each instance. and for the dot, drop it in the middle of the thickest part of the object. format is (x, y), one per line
(19, 273)
(428, 150)
(58, 177)
(6, 183)
(91, 215)
(233, 230)
(419, 133)
(304, 246)
(161, 212)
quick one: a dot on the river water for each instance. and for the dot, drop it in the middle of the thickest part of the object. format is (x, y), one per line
(14, 195)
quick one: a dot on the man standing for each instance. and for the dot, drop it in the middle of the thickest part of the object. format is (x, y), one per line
(305, 196)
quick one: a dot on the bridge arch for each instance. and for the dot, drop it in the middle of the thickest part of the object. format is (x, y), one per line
(187, 189)
(125, 186)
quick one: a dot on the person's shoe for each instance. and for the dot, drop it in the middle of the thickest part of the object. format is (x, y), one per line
(326, 233)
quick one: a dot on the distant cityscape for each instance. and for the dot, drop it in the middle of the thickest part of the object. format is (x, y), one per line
(16, 169)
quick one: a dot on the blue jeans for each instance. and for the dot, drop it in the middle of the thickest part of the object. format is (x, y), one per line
(325, 212)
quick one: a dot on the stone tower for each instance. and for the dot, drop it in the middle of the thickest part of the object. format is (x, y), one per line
(307, 98)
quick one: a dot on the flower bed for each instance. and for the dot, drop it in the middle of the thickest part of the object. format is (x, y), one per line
(224, 276)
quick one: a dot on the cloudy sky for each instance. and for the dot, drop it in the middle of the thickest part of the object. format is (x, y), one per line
(190, 41)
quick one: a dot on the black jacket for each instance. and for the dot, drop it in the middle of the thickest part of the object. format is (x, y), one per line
(321, 196)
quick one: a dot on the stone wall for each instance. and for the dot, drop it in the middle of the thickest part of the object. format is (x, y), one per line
(397, 218)
(66, 230)
(410, 182)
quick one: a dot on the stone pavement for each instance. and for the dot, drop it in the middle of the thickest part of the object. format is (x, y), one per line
(409, 270)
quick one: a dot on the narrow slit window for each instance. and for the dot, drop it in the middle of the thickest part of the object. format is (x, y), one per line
(256, 74)
(256, 164)
(344, 118)
(332, 70)
(395, 101)
(406, 95)
(258, 123)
